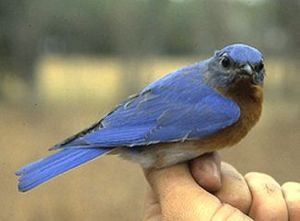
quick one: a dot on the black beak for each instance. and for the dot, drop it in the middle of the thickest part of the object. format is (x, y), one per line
(246, 69)
(248, 72)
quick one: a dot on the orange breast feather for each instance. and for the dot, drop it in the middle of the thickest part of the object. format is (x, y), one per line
(249, 97)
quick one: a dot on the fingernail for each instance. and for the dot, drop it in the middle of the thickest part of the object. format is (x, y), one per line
(216, 173)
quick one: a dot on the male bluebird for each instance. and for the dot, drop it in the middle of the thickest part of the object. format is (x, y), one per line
(200, 108)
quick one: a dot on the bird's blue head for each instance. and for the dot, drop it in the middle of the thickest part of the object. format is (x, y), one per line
(235, 63)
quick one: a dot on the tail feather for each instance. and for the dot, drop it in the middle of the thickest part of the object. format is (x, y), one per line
(45, 169)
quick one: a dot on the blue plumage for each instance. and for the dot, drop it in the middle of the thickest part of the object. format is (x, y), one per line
(181, 106)
(242, 53)
(41, 171)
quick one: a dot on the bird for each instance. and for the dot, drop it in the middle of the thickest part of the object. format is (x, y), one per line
(197, 109)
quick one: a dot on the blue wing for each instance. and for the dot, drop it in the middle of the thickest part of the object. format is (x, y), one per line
(178, 107)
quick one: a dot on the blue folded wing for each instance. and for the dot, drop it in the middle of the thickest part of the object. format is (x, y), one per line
(180, 106)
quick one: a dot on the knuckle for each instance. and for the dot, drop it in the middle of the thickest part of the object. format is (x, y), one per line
(291, 191)
(262, 181)
(291, 185)
(257, 175)
(228, 213)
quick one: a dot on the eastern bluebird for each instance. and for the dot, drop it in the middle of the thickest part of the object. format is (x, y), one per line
(200, 108)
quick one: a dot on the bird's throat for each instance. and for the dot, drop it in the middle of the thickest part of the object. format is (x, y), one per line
(249, 97)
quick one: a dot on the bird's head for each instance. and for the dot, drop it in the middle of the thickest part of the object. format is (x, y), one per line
(235, 63)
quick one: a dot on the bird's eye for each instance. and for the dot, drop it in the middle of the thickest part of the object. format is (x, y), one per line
(225, 61)
(259, 66)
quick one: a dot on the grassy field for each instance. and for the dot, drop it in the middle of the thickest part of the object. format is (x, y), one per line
(74, 92)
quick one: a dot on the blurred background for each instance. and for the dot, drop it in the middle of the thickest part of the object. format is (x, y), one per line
(65, 63)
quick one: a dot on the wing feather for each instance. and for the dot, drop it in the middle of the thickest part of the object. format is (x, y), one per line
(180, 106)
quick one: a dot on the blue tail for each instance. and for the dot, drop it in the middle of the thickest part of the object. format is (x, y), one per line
(45, 169)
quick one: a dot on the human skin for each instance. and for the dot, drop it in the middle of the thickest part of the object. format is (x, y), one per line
(206, 189)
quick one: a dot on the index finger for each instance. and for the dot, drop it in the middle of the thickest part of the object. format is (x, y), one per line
(178, 193)
(181, 198)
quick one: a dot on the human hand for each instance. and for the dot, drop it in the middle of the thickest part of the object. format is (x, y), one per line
(195, 192)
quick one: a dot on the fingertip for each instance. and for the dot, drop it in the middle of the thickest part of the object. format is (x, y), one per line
(291, 185)
(291, 192)
(206, 171)
(268, 202)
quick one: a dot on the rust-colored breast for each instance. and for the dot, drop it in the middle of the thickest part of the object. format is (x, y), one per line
(249, 97)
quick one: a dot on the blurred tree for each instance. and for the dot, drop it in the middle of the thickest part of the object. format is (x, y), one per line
(19, 40)
(24, 41)
(138, 32)
(287, 16)
(136, 29)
